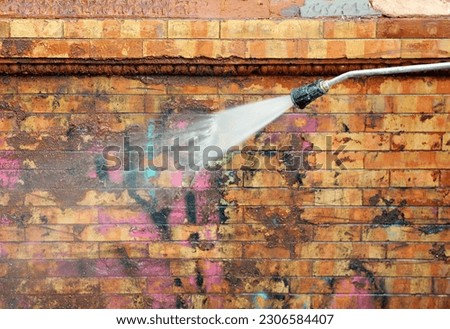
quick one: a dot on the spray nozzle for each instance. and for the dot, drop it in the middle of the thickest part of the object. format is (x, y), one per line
(302, 96)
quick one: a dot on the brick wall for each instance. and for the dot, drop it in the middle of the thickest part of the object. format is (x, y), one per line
(342, 205)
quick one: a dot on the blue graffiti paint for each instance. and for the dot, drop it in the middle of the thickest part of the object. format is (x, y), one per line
(259, 299)
(150, 173)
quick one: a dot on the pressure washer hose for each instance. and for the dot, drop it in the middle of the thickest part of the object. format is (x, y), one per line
(302, 96)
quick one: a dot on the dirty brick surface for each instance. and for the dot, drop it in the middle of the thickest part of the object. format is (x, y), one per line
(342, 205)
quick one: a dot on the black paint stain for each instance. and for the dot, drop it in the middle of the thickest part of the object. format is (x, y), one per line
(158, 217)
(388, 216)
(434, 229)
(194, 239)
(345, 128)
(82, 268)
(358, 266)
(199, 280)
(438, 251)
(177, 282)
(43, 219)
(181, 303)
(191, 210)
(222, 215)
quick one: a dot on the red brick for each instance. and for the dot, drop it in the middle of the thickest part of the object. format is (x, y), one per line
(346, 178)
(328, 268)
(123, 285)
(310, 286)
(441, 286)
(418, 302)
(415, 268)
(12, 234)
(410, 251)
(408, 123)
(184, 250)
(42, 250)
(445, 178)
(404, 85)
(350, 141)
(123, 249)
(244, 9)
(271, 267)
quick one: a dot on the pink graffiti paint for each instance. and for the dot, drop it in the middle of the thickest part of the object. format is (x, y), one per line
(5, 221)
(106, 217)
(9, 173)
(202, 181)
(115, 176)
(177, 179)
(178, 213)
(92, 174)
(181, 124)
(358, 289)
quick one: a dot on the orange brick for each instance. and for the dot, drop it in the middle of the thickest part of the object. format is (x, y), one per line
(407, 160)
(242, 232)
(272, 196)
(49, 233)
(264, 179)
(261, 250)
(191, 48)
(123, 250)
(349, 141)
(99, 198)
(241, 9)
(123, 285)
(439, 48)
(408, 285)
(321, 49)
(337, 233)
(332, 268)
(418, 302)
(284, 267)
(57, 216)
(271, 29)
(184, 250)
(126, 48)
(410, 251)
(36, 28)
(61, 250)
(341, 104)
(337, 250)
(194, 86)
(345, 197)
(333, 215)
(446, 142)
(12, 234)
(418, 104)
(445, 178)
(187, 29)
(60, 49)
(390, 48)
(403, 85)
(402, 142)
(7, 124)
(441, 286)
(272, 49)
(413, 197)
(417, 268)
(346, 178)
(407, 234)
(340, 123)
(4, 29)
(120, 103)
(363, 29)
(131, 86)
(310, 286)
(413, 28)
(153, 29)
(59, 286)
(83, 28)
(414, 178)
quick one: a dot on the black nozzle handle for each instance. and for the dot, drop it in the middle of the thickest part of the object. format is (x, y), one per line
(302, 96)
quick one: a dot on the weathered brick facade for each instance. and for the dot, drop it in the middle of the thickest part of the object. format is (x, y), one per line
(342, 205)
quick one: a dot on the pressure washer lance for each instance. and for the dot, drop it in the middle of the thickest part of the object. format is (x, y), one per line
(302, 96)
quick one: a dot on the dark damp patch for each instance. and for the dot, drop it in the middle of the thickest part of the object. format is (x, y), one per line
(358, 266)
(345, 128)
(434, 229)
(438, 252)
(181, 303)
(330, 282)
(82, 268)
(191, 209)
(177, 282)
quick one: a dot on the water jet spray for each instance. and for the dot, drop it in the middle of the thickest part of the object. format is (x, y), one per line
(303, 96)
